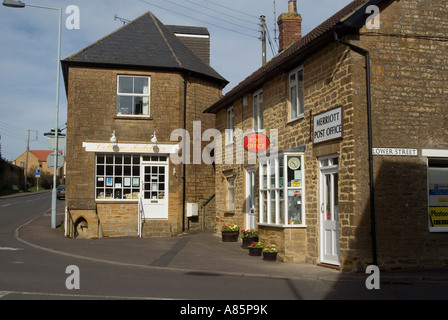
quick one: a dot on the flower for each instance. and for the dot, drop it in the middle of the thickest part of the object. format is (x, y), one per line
(271, 248)
(230, 228)
(249, 233)
(256, 245)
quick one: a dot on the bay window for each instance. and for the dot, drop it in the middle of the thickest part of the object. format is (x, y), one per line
(281, 192)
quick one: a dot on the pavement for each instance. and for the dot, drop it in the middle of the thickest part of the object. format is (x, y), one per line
(198, 253)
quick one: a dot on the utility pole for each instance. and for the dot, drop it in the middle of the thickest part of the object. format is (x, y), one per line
(26, 161)
(263, 38)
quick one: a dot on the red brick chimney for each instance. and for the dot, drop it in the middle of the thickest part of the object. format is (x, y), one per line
(290, 26)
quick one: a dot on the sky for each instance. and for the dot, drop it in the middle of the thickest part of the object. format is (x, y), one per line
(28, 49)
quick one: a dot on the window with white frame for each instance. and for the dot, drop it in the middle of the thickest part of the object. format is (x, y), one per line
(133, 96)
(296, 94)
(258, 111)
(281, 192)
(230, 126)
(117, 177)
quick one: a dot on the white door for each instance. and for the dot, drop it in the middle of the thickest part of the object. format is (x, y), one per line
(329, 219)
(155, 191)
(250, 199)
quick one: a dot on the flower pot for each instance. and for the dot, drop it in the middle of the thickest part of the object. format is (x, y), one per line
(255, 252)
(247, 241)
(230, 236)
(270, 256)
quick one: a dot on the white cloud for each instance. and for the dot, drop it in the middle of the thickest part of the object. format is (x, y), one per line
(28, 40)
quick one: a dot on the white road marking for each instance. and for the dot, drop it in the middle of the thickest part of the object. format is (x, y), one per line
(10, 249)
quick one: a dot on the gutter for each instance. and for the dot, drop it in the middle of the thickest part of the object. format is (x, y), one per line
(184, 175)
(366, 54)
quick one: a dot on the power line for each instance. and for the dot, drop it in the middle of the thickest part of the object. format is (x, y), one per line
(209, 23)
(240, 12)
(197, 11)
(220, 12)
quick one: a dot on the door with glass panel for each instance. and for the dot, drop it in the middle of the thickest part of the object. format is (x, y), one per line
(155, 191)
(329, 215)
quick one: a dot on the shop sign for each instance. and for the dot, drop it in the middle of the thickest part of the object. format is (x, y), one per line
(328, 125)
(130, 148)
(395, 152)
(439, 216)
(256, 142)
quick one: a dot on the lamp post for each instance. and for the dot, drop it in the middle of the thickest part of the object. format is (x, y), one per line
(19, 4)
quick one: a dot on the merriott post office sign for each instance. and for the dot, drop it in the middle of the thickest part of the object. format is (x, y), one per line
(328, 125)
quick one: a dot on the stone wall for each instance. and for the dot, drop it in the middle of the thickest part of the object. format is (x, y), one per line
(92, 118)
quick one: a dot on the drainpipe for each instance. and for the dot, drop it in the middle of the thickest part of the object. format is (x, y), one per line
(366, 54)
(184, 151)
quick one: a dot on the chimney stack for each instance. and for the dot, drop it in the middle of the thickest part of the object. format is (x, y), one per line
(290, 26)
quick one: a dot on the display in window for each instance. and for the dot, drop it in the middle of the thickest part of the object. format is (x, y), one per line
(295, 207)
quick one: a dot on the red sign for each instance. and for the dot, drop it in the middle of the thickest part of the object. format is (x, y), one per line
(256, 142)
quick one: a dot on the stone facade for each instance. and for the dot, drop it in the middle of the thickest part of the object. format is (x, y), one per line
(92, 117)
(409, 76)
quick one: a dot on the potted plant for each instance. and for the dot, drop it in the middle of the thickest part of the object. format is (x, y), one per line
(230, 233)
(255, 249)
(270, 253)
(249, 236)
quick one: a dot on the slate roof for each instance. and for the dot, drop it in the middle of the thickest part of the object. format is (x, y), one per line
(145, 43)
(350, 17)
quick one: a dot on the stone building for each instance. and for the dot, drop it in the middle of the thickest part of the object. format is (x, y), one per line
(127, 94)
(355, 113)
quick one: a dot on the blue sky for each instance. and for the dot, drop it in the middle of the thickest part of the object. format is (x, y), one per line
(28, 49)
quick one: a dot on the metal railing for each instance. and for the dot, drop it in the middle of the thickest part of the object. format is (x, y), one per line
(140, 214)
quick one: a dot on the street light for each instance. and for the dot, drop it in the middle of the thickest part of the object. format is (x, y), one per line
(19, 4)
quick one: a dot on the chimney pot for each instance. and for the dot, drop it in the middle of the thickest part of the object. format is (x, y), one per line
(292, 6)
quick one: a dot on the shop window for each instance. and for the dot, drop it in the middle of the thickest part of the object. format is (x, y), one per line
(281, 192)
(133, 96)
(258, 111)
(296, 95)
(117, 177)
(438, 194)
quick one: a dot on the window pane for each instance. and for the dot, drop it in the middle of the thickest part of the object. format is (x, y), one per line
(301, 100)
(272, 206)
(124, 105)
(294, 207)
(293, 101)
(141, 86)
(126, 85)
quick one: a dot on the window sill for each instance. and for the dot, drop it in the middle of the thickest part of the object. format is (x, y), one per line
(108, 201)
(296, 119)
(130, 117)
(292, 226)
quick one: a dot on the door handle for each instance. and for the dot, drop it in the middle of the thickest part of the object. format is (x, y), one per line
(322, 207)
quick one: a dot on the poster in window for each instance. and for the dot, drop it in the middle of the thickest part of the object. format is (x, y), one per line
(127, 182)
(109, 182)
(136, 182)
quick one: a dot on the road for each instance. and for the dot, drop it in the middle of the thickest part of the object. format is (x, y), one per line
(28, 273)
